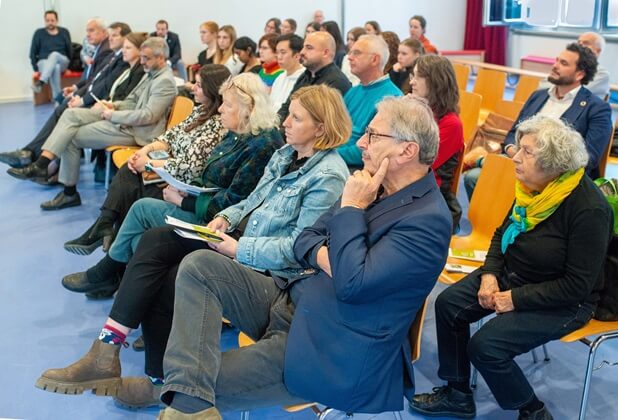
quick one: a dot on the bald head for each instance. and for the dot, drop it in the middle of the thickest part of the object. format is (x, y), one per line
(593, 41)
(318, 51)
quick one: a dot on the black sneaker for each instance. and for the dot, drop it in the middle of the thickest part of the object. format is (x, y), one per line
(540, 414)
(445, 401)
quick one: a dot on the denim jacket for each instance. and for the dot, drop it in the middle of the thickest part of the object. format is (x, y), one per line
(282, 205)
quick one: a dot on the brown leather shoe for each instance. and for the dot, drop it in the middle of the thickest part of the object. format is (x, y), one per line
(138, 392)
(98, 370)
(172, 414)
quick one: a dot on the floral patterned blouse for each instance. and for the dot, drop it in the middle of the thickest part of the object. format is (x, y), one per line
(189, 151)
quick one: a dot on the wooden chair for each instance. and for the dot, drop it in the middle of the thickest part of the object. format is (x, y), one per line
(525, 86)
(181, 109)
(462, 75)
(605, 157)
(492, 198)
(604, 331)
(509, 109)
(490, 85)
(469, 110)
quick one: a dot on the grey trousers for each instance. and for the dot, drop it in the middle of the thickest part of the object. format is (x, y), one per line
(80, 128)
(209, 286)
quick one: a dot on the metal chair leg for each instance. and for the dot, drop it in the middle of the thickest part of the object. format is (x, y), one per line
(545, 353)
(108, 168)
(534, 358)
(244, 415)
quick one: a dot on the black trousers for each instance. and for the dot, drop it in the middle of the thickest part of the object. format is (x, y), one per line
(36, 145)
(493, 348)
(125, 189)
(146, 293)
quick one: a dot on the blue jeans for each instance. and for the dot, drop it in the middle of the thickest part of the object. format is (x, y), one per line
(181, 69)
(144, 214)
(51, 68)
(492, 348)
(471, 177)
(210, 286)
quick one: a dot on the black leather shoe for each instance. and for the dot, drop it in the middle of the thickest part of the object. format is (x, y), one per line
(100, 233)
(62, 201)
(17, 159)
(138, 345)
(81, 283)
(540, 414)
(31, 172)
(103, 294)
(445, 401)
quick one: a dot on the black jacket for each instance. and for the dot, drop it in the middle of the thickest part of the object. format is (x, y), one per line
(102, 81)
(173, 42)
(102, 57)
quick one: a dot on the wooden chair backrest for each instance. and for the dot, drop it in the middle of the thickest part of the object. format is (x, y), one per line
(469, 109)
(490, 85)
(510, 109)
(493, 195)
(181, 109)
(416, 331)
(462, 74)
(525, 86)
(606, 152)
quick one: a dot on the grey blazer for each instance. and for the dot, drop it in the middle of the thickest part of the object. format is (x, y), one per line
(144, 112)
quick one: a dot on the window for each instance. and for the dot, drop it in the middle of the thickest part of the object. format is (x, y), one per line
(552, 14)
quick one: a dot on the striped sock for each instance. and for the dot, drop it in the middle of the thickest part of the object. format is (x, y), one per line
(111, 335)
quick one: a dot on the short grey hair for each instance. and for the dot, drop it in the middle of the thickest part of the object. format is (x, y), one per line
(560, 148)
(599, 40)
(158, 46)
(378, 46)
(411, 119)
(99, 22)
(256, 112)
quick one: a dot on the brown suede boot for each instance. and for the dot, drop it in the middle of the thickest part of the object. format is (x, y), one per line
(98, 370)
(135, 393)
(172, 414)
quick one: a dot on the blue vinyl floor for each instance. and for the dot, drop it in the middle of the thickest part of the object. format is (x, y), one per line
(46, 326)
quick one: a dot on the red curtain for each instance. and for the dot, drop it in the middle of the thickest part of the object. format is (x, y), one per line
(492, 39)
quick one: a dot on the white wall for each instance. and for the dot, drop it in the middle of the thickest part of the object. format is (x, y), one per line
(446, 19)
(19, 19)
(520, 45)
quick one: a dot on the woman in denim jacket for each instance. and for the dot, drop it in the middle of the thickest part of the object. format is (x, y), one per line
(301, 181)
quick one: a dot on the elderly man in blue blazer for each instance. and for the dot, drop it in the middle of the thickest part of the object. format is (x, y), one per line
(572, 102)
(370, 262)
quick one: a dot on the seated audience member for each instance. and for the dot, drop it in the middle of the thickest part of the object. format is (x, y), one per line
(599, 85)
(311, 28)
(107, 69)
(137, 119)
(188, 146)
(372, 27)
(407, 52)
(542, 276)
(333, 28)
(317, 56)
(234, 167)
(50, 53)
(245, 50)
(351, 38)
(370, 261)
(288, 57)
(418, 24)
(268, 57)
(208, 37)
(569, 100)
(173, 42)
(288, 26)
(226, 37)
(433, 79)
(392, 40)
(86, 54)
(273, 26)
(318, 16)
(308, 165)
(367, 60)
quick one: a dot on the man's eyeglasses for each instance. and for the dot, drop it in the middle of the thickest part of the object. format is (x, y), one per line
(372, 135)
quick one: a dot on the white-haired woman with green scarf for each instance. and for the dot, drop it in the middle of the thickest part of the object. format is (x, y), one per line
(542, 277)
